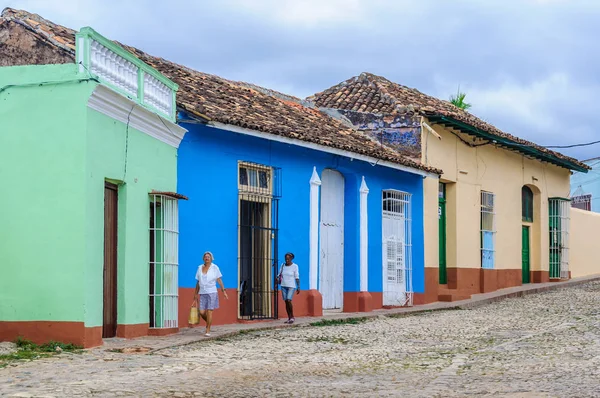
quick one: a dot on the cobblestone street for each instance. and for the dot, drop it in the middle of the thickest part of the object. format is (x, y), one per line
(543, 345)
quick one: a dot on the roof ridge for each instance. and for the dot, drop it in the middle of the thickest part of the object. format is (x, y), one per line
(377, 83)
(235, 103)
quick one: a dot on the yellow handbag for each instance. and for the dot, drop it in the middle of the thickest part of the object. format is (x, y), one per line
(193, 319)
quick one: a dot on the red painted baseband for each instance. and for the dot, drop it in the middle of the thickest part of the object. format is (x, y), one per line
(132, 331)
(358, 302)
(162, 332)
(540, 276)
(44, 331)
(314, 303)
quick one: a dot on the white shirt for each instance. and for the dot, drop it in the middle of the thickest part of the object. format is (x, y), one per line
(208, 281)
(290, 273)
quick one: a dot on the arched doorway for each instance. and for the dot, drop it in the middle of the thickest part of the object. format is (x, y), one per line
(331, 280)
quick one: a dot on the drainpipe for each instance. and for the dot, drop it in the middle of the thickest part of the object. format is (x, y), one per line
(364, 238)
(315, 182)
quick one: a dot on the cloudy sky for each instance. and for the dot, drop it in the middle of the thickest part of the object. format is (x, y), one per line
(530, 67)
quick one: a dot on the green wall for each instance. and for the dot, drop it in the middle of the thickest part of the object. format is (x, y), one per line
(56, 154)
(42, 212)
(151, 165)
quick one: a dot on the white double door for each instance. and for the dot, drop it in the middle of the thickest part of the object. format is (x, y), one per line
(331, 275)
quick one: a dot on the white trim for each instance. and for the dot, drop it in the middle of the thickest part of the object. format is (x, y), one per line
(322, 148)
(364, 238)
(80, 52)
(313, 238)
(116, 106)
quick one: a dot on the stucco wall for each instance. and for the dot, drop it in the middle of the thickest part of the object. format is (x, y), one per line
(468, 171)
(585, 250)
(56, 155)
(208, 163)
(151, 165)
(42, 211)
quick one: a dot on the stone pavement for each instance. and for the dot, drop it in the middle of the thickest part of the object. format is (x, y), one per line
(192, 335)
(542, 345)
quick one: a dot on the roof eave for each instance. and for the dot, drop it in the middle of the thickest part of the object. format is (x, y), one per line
(507, 143)
(323, 148)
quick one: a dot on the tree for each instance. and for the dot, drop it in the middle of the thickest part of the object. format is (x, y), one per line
(458, 100)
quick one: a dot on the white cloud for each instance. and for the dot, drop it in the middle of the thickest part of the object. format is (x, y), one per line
(549, 110)
(305, 12)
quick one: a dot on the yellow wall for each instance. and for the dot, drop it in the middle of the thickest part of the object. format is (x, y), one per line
(468, 171)
(584, 247)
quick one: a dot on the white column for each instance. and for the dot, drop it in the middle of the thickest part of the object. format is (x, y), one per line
(364, 238)
(313, 238)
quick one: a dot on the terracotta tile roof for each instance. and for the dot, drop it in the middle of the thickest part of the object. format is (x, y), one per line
(375, 94)
(236, 103)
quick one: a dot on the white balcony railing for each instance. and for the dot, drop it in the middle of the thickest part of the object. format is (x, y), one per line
(125, 73)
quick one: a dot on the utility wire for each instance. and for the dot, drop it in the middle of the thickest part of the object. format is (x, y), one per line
(573, 146)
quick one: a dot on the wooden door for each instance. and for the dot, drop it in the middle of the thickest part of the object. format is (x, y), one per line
(109, 319)
(331, 283)
(525, 255)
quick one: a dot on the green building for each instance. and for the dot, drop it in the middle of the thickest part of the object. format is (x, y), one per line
(88, 216)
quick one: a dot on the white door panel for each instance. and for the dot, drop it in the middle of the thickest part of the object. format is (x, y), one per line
(331, 281)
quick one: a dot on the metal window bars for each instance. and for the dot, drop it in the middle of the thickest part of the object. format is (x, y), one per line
(559, 220)
(397, 248)
(259, 188)
(488, 230)
(164, 248)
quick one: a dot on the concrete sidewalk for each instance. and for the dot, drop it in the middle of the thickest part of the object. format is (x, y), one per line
(192, 335)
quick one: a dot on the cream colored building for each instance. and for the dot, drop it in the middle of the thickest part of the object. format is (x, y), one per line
(498, 217)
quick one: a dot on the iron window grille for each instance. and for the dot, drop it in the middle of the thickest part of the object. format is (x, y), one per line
(258, 200)
(397, 247)
(488, 230)
(164, 261)
(559, 217)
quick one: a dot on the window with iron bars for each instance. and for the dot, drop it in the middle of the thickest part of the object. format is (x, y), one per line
(258, 192)
(488, 230)
(559, 218)
(397, 248)
(164, 261)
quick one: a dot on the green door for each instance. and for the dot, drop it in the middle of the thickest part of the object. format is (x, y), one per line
(525, 255)
(442, 229)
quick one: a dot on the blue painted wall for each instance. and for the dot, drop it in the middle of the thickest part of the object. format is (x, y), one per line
(588, 183)
(207, 174)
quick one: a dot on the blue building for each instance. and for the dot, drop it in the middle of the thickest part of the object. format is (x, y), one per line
(585, 187)
(267, 174)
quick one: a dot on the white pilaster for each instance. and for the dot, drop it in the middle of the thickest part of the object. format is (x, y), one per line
(364, 238)
(315, 182)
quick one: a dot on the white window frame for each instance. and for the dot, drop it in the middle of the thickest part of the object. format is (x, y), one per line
(488, 209)
(165, 234)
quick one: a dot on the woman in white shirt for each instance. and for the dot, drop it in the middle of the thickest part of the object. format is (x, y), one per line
(207, 277)
(290, 281)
